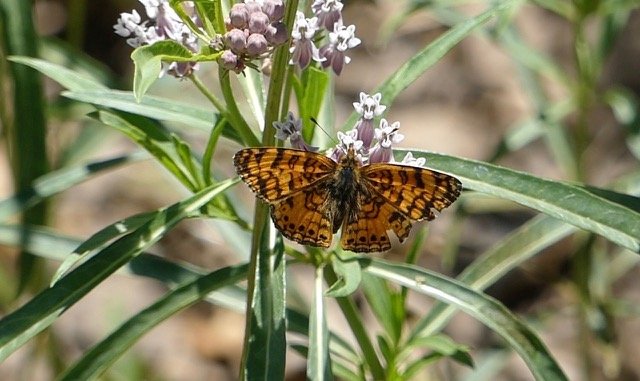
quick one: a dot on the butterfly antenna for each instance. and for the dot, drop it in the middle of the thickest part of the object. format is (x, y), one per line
(323, 130)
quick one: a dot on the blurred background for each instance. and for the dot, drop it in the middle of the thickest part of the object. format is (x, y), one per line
(471, 104)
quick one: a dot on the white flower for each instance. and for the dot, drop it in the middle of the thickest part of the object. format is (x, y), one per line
(346, 141)
(369, 105)
(339, 41)
(349, 139)
(412, 161)
(304, 49)
(344, 38)
(329, 12)
(388, 134)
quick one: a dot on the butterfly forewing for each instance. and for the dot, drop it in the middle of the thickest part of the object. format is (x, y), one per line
(275, 173)
(414, 191)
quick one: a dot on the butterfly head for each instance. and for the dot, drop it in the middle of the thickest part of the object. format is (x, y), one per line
(352, 158)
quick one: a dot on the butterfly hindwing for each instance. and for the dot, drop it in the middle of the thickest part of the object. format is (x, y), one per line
(276, 173)
(303, 217)
(413, 191)
(368, 231)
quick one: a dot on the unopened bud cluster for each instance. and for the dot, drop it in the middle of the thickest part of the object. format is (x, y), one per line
(253, 29)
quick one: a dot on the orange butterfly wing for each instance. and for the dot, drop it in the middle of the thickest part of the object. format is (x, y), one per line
(413, 191)
(399, 194)
(368, 231)
(276, 173)
(304, 218)
(291, 181)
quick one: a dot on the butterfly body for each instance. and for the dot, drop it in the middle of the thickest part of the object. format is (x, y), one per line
(312, 196)
(345, 190)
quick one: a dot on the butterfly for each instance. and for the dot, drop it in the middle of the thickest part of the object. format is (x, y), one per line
(311, 196)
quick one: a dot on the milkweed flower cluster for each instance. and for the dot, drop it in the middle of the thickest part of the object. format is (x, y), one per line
(328, 18)
(254, 28)
(163, 24)
(372, 145)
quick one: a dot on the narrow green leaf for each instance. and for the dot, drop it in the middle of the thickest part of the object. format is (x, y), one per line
(482, 307)
(55, 246)
(42, 310)
(380, 299)
(107, 351)
(340, 348)
(152, 138)
(57, 181)
(520, 245)
(423, 60)
(318, 361)
(68, 78)
(252, 83)
(569, 203)
(65, 55)
(25, 135)
(349, 276)
(316, 82)
(148, 62)
(43, 242)
(157, 108)
(100, 239)
(172, 154)
(355, 320)
(206, 13)
(445, 346)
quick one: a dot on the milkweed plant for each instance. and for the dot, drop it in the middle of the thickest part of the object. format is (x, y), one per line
(268, 69)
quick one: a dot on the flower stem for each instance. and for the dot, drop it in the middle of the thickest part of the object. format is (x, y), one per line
(208, 94)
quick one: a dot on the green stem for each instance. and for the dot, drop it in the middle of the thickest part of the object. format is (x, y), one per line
(276, 104)
(354, 319)
(76, 23)
(216, 131)
(288, 85)
(217, 103)
(586, 66)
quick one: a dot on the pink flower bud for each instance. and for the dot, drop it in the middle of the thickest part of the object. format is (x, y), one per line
(276, 33)
(239, 15)
(274, 9)
(236, 40)
(258, 22)
(256, 44)
(253, 7)
(228, 60)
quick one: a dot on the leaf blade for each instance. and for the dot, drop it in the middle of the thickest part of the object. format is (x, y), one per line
(572, 204)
